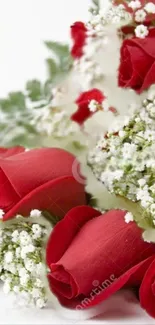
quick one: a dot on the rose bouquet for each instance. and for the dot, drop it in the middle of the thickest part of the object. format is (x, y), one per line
(80, 236)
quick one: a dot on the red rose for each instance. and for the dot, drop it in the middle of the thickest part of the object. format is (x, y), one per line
(5, 152)
(38, 179)
(83, 112)
(79, 35)
(137, 63)
(147, 290)
(91, 256)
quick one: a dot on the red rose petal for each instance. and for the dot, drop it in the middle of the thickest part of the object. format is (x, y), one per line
(36, 180)
(33, 168)
(149, 78)
(66, 229)
(83, 112)
(7, 152)
(79, 35)
(147, 292)
(137, 62)
(51, 197)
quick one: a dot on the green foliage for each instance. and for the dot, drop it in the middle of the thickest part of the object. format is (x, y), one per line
(95, 7)
(17, 110)
(15, 101)
(52, 67)
(58, 49)
(34, 90)
(61, 61)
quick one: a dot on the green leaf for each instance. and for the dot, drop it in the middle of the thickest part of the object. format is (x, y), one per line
(62, 54)
(96, 6)
(15, 101)
(47, 88)
(96, 2)
(34, 90)
(58, 49)
(52, 68)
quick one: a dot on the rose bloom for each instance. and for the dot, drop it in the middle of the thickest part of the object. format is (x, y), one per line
(92, 255)
(38, 179)
(137, 63)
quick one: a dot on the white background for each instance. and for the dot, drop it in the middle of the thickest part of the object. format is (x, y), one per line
(24, 24)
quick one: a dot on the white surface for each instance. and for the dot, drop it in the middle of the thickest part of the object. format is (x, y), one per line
(119, 309)
(24, 24)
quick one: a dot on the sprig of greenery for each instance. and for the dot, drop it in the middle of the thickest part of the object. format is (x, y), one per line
(94, 9)
(16, 111)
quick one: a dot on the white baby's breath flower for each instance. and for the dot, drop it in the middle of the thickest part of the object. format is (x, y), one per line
(35, 213)
(12, 268)
(152, 209)
(128, 150)
(22, 262)
(18, 252)
(16, 289)
(36, 230)
(140, 15)
(150, 7)
(40, 303)
(36, 293)
(6, 288)
(121, 134)
(141, 31)
(24, 279)
(1, 213)
(40, 268)
(134, 4)
(142, 182)
(27, 249)
(30, 248)
(15, 236)
(2, 277)
(22, 272)
(39, 283)
(30, 265)
(128, 217)
(8, 257)
(93, 105)
(25, 238)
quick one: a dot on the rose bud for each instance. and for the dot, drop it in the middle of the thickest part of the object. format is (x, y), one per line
(79, 35)
(83, 102)
(91, 256)
(38, 179)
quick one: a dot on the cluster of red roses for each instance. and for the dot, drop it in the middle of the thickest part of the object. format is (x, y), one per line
(85, 245)
(136, 69)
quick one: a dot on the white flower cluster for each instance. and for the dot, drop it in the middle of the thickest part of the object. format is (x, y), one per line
(53, 122)
(124, 159)
(111, 14)
(140, 14)
(94, 106)
(22, 268)
(87, 67)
